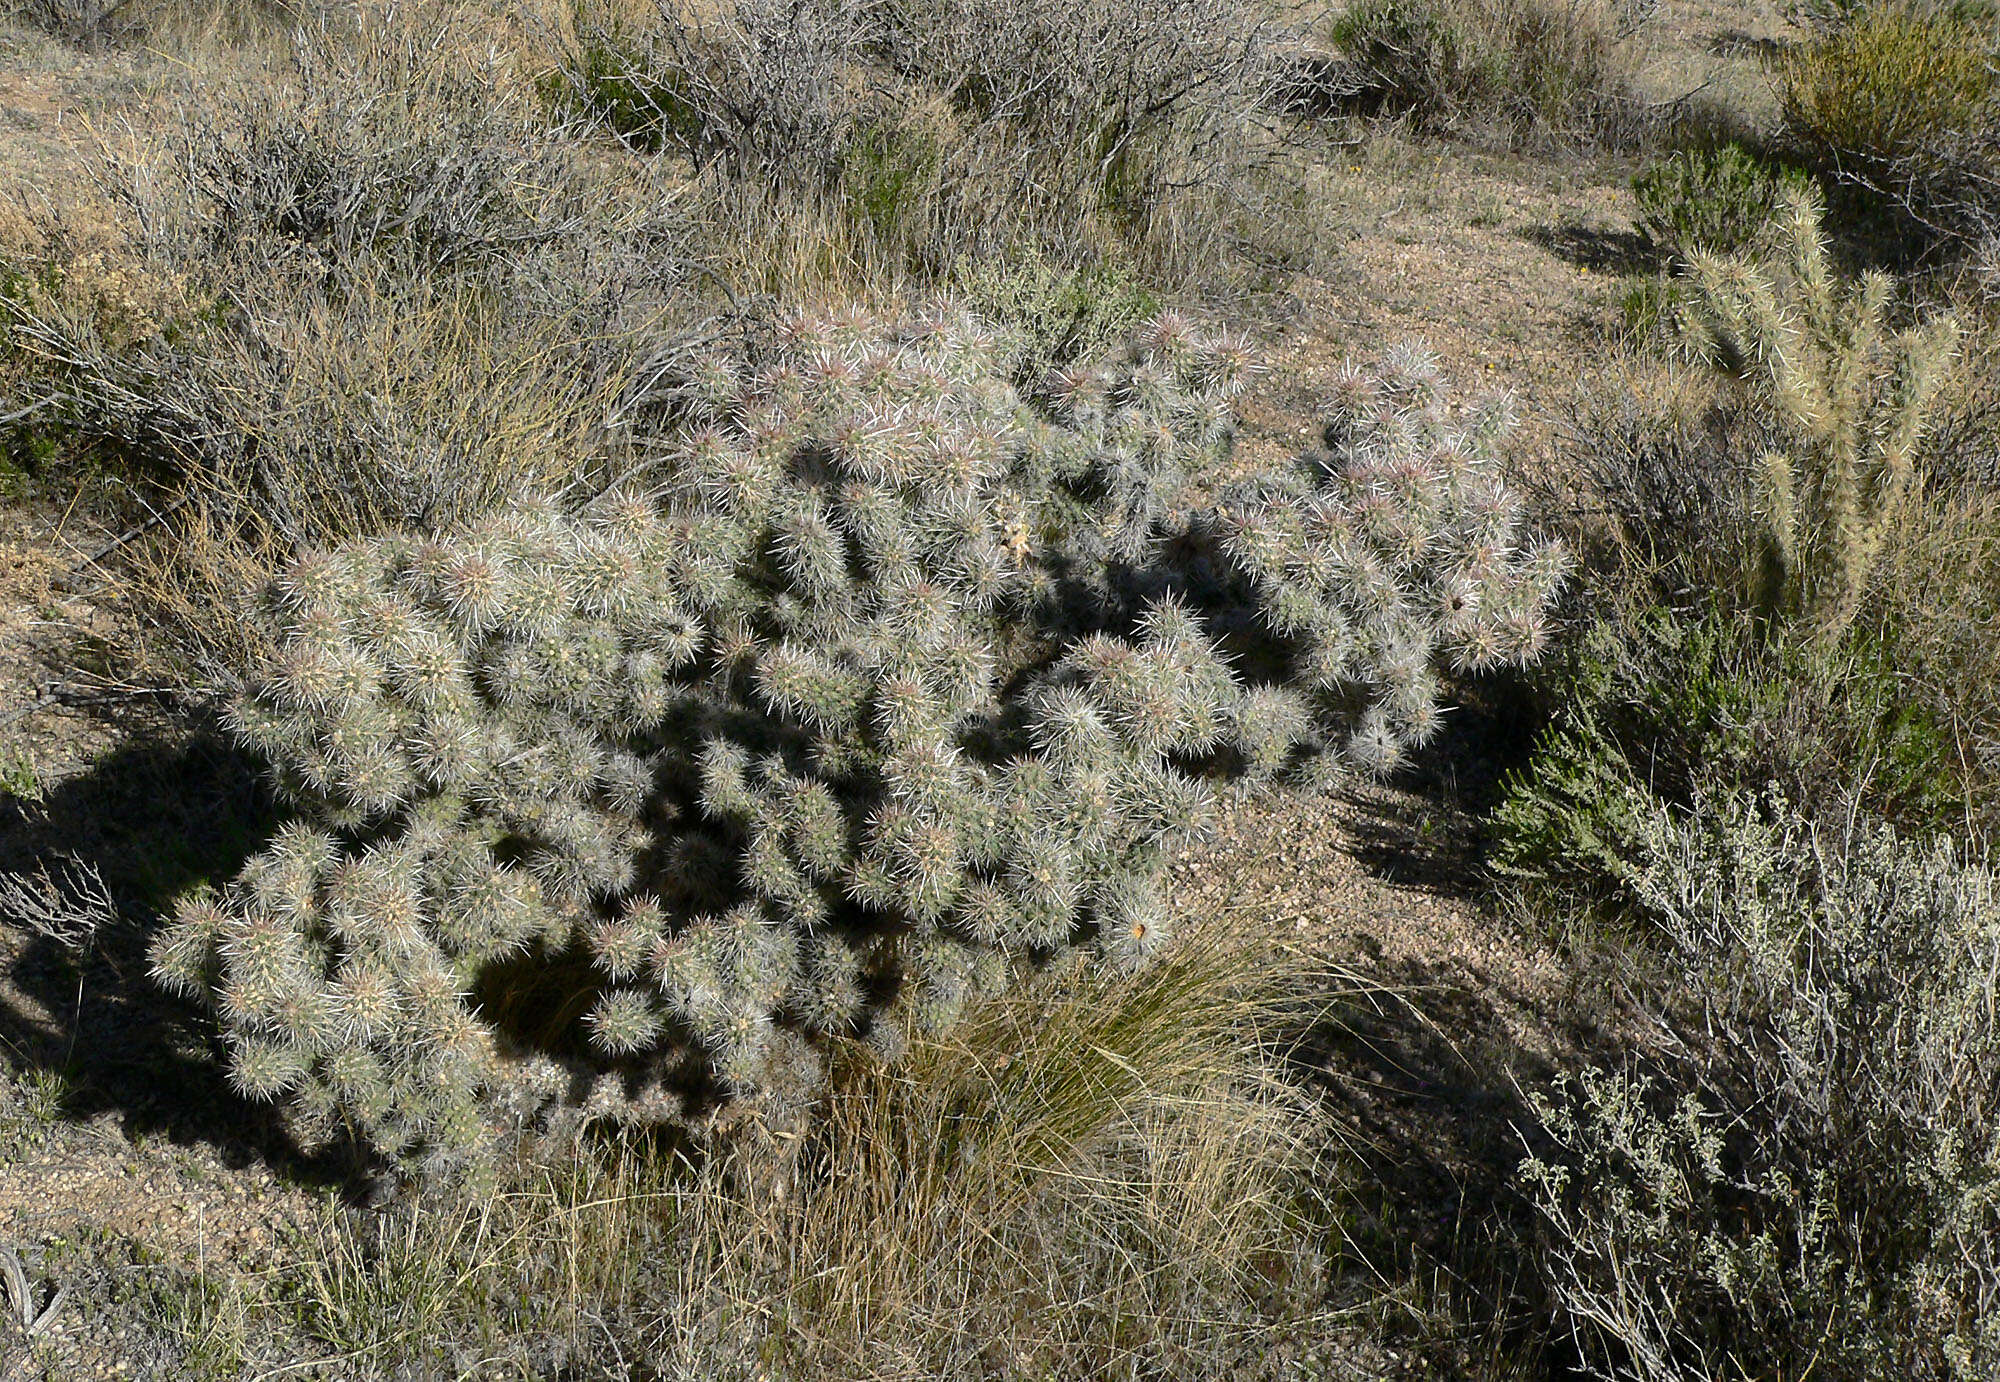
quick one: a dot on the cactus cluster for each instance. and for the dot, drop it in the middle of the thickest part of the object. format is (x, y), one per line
(893, 685)
(1389, 559)
(1851, 402)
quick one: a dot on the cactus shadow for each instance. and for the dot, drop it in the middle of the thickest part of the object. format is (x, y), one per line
(1427, 828)
(171, 808)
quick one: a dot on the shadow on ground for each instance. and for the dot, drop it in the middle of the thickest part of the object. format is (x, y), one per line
(1429, 833)
(171, 809)
(1426, 1065)
(1596, 248)
(1424, 1076)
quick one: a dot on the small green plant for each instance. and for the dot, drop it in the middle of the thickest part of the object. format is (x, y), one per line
(1708, 201)
(887, 174)
(18, 778)
(33, 1105)
(1062, 316)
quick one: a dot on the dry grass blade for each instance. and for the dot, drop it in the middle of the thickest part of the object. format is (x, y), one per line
(33, 1320)
(1096, 1148)
(65, 903)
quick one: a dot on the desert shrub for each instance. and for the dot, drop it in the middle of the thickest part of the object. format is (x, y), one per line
(1805, 1184)
(376, 146)
(759, 85)
(1895, 100)
(97, 23)
(1659, 450)
(898, 687)
(907, 137)
(376, 294)
(1711, 201)
(1653, 705)
(1545, 70)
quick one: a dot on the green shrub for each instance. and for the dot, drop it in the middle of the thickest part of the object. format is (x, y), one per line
(1806, 1184)
(1895, 100)
(898, 687)
(1710, 201)
(1656, 706)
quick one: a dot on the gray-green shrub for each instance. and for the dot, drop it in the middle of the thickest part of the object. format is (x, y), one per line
(1539, 70)
(915, 136)
(376, 291)
(1806, 1183)
(894, 686)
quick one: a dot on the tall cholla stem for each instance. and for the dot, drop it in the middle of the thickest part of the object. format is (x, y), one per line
(1852, 401)
(898, 685)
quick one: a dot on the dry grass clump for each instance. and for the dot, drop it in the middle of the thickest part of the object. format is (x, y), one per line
(855, 144)
(1096, 1176)
(374, 293)
(1544, 72)
(1090, 1177)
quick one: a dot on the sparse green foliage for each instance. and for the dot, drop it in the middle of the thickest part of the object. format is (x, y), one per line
(897, 686)
(1062, 316)
(1652, 706)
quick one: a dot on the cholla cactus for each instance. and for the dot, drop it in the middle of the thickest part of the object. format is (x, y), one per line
(1391, 559)
(795, 748)
(1850, 402)
(1140, 434)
